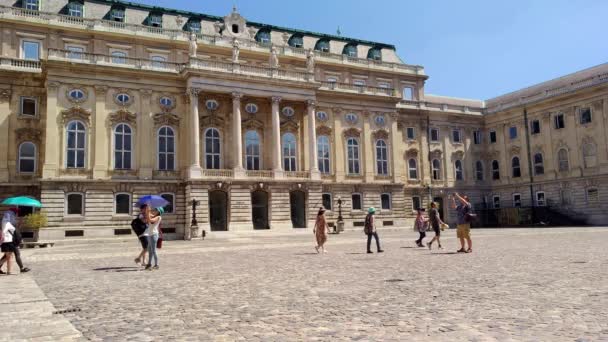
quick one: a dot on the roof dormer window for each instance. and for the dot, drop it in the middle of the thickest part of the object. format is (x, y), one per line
(350, 50)
(322, 45)
(375, 54)
(296, 41)
(155, 20)
(194, 25)
(76, 8)
(235, 28)
(32, 5)
(263, 36)
(117, 14)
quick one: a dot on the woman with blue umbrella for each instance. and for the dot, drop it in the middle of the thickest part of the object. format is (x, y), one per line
(11, 238)
(152, 218)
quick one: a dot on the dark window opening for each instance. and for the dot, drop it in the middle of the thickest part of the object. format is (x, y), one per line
(326, 201)
(122, 231)
(493, 137)
(235, 28)
(356, 201)
(535, 129)
(72, 233)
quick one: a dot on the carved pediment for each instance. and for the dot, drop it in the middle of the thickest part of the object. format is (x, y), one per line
(212, 121)
(122, 116)
(28, 134)
(458, 155)
(436, 153)
(411, 153)
(352, 133)
(76, 113)
(537, 149)
(252, 123)
(380, 134)
(514, 150)
(166, 119)
(289, 126)
(324, 130)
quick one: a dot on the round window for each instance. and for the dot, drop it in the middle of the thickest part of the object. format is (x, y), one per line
(123, 98)
(380, 120)
(212, 104)
(288, 111)
(76, 94)
(322, 116)
(166, 102)
(251, 108)
(351, 118)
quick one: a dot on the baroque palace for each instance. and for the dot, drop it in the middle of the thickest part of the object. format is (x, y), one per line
(243, 125)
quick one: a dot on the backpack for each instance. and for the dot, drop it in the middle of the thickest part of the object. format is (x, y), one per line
(17, 239)
(368, 229)
(138, 226)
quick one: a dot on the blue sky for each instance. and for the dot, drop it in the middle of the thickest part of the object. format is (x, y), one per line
(476, 49)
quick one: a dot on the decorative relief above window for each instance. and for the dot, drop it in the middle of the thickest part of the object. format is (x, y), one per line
(28, 134)
(122, 116)
(352, 133)
(351, 118)
(77, 95)
(166, 119)
(76, 113)
(380, 134)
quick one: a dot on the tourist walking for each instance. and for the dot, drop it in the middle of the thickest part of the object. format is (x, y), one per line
(140, 227)
(370, 230)
(436, 224)
(11, 216)
(464, 217)
(321, 230)
(8, 247)
(420, 224)
(153, 219)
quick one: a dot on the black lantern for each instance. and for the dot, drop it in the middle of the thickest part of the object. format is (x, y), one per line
(194, 203)
(340, 218)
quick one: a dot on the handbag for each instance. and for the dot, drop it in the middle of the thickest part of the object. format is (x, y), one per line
(159, 242)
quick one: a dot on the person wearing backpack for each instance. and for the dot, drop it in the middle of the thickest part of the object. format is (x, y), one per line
(11, 216)
(370, 230)
(8, 247)
(464, 218)
(139, 228)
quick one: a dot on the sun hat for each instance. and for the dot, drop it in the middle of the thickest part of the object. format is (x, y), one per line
(371, 210)
(160, 210)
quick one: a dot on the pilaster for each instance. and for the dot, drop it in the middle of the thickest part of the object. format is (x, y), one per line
(195, 171)
(52, 146)
(396, 150)
(367, 148)
(237, 135)
(276, 138)
(5, 116)
(145, 136)
(312, 140)
(100, 137)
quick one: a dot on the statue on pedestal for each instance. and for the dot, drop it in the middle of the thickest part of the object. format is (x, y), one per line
(235, 51)
(274, 58)
(193, 45)
(310, 61)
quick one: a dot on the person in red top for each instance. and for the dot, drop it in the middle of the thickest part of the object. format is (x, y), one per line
(420, 226)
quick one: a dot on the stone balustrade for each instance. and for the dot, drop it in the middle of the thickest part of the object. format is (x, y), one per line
(297, 174)
(20, 65)
(249, 70)
(259, 173)
(361, 89)
(441, 107)
(218, 173)
(125, 62)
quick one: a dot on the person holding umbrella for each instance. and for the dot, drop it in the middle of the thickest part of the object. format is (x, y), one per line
(11, 216)
(11, 239)
(152, 217)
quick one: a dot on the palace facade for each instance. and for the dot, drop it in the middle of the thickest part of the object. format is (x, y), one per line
(253, 126)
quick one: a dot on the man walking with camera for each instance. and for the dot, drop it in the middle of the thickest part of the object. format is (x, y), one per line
(464, 218)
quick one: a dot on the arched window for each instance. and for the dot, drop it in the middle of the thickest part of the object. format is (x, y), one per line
(562, 160)
(252, 150)
(352, 146)
(375, 54)
(412, 168)
(458, 170)
(212, 148)
(590, 154)
(76, 145)
(27, 157)
(289, 152)
(515, 168)
(322, 45)
(436, 166)
(166, 149)
(122, 147)
(539, 168)
(323, 153)
(350, 50)
(479, 170)
(296, 40)
(495, 170)
(263, 36)
(381, 157)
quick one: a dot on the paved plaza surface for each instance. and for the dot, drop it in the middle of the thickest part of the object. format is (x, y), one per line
(517, 285)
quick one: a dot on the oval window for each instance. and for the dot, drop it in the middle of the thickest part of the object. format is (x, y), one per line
(351, 118)
(123, 98)
(322, 116)
(212, 104)
(76, 94)
(251, 108)
(166, 101)
(288, 111)
(380, 120)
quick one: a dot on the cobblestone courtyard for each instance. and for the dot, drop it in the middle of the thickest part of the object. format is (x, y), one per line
(518, 285)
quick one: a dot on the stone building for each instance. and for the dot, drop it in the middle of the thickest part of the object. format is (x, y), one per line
(254, 126)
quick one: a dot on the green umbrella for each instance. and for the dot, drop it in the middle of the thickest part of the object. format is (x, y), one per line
(21, 201)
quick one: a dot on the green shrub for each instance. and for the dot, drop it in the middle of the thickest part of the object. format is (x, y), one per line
(35, 220)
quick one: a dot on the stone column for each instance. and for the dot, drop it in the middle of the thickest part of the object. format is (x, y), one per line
(367, 146)
(99, 136)
(5, 103)
(338, 159)
(146, 137)
(52, 145)
(396, 151)
(424, 167)
(195, 171)
(276, 138)
(312, 140)
(237, 135)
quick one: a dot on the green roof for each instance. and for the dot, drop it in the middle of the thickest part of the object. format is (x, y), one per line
(258, 25)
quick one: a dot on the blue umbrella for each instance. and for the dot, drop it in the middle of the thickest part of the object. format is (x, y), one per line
(21, 201)
(152, 200)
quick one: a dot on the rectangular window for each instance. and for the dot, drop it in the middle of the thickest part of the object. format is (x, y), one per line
(593, 195)
(408, 93)
(535, 127)
(359, 83)
(155, 21)
(540, 198)
(75, 52)
(410, 133)
(517, 200)
(434, 134)
(75, 204)
(385, 201)
(326, 201)
(559, 121)
(122, 204)
(75, 9)
(28, 106)
(332, 80)
(169, 208)
(585, 115)
(476, 137)
(513, 132)
(566, 196)
(384, 85)
(30, 50)
(118, 14)
(496, 201)
(415, 202)
(492, 137)
(33, 5)
(356, 201)
(456, 136)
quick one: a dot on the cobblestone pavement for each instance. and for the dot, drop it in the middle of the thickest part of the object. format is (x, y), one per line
(517, 285)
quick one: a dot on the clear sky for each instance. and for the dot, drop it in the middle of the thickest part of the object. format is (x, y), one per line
(469, 48)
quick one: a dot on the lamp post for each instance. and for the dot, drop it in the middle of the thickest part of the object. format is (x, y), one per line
(340, 225)
(194, 223)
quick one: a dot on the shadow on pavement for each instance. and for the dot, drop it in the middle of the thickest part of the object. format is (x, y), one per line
(118, 269)
(445, 253)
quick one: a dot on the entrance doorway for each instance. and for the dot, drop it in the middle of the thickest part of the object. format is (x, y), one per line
(259, 209)
(297, 201)
(439, 201)
(218, 210)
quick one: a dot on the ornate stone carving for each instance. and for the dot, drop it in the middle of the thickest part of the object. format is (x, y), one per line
(192, 45)
(436, 153)
(123, 187)
(5, 95)
(337, 110)
(276, 99)
(179, 21)
(411, 153)
(236, 50)
(122, 116)
(28, 134)
(52, 85)
(166, 119)
(323, 130)
(220, 186)
(285, 36)
(290, 126)
(457, 155)
(128, 92)
(100, 89)
(74, 186)
(76, 113)
(352, 133)
(514, 150)
(217, 27)
(380, 134)
(252, 32)
(235, 19)
(252, 123)
(165, 107)
(274, 58)
(212, 121)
